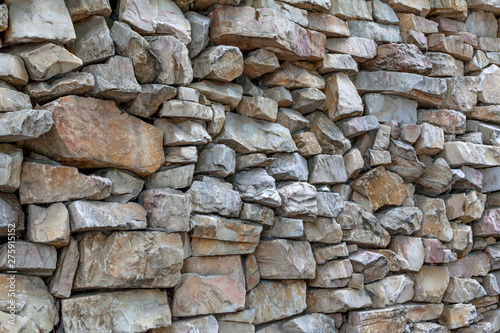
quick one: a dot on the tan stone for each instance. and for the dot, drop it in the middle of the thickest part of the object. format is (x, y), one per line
(48, 225)
(330, 137)
(410, 252)
(452, 122)
(417, 7)
(453, 45)
(30, 258)
(75, 118)
(206, 324)
(375, 185)
(361, 49)
(342, 99)
(258, 107)
(430, 141)
(275, 300)
(392, 319)
(43, 183)
(291, 76)
(465, 207)
(431, 283)
(229, 230)
(329, 25)
(457, 154)
(236, 26)
(260, 62)
(458, 315)
(337, 300)
(212, 247)
(476, 263)
(333, 274)
(119, 260)
(435, 222)
(411, 22)
(307, 144)
(221, 63)
(423, 312)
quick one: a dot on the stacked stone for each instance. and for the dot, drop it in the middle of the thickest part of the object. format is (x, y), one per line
(250, 166)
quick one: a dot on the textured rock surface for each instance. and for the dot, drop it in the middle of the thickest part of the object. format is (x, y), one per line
(250, 166)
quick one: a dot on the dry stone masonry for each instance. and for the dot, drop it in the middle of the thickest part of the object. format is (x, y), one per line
(242, 166)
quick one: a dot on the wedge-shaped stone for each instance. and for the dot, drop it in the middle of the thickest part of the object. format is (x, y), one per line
(375, 31)
(333, 274)
(120, 260)
(200, 295)
(24, 124)
(453, 45)
(330, 137)
(258, 107)
(399, 58)
(47, 60)
(171, 176)
(386, 108)
(329, 25)
(38, 21)
(12, 69)
(132, 311)
(244, 26)
(13, 100)
(383, 13)
(291, 76)
(404, 161)
(125, 186)
(220, 92)
(88, 118)
(361, 227)
(161, 17)
(298, 200)
(410, 252)
(463, 290)
(206, 324)
(221, 63)
(354, 10)
(412, 22)
(48, 225)
(285, 259)
(211, 195)
(458, 315)
(33, 301)
(427, 91)
(361, 49)
(132, 45)
(73, 83)
(381, 188)
(217, 160)
(88, 48)
(260, 62)
(338, 300)
(31, 258)
(11, 160)
(80, 9)
(230, 230)
(175, 65)
(246, 135)
(488, 113)
(392, 318)
(354, 127)
(342, 99)
(337, 63)
(44, 183)
(199, 33)
(61, 283)
(89, 215)
(431, 283)
(372, 265)
(391, 290)
(457, 154)
(275, 300)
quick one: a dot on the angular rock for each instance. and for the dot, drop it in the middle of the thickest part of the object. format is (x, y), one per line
(199, 33)
(463, 290)
(386, 108)
(179, 132)
(329, 25)
(119, 260)
(337, 300)
(291, 76)
(186, 109)
(453, 45)
(47, 60)
(337, 63)
(206, 324)
(461, 93)
(354, 10)
(353, 162)
(410, 252)
(452, 122)
(260, 62)
(431, 283)
(160, 17)
(466, 207)
(458, 315)
(236, 26)
(422, 312)
(34, 305)
(354, 127)
(13, 100)
(288, 167)
(38, 21)
(24, 124)
(220, 63)
(275, 300)
(361, 227)
(62, 281)
(327, 253)
(430, 141)
(150, 98)
(307, 100)
(132, 45)
(401, 220)
(175, 65)
(173, 219)
(11, 159)
(373, 266)
(93, 41)
(79, 10)
(327, 169)
(457, 154)
(476, 263)
(333, 274)
(372, 184)
(323, 230)
(399, 58)
(391, 290)
(298, 200)
(435, 222)
(258, 107)
(12, 69)
(48, 225)
(330, 137)
(444, 65)
(31, 258)
(361, 49)
(427, 91)
(43, 183)
(257, 186)
(375, 31)
(392, 318)
(285, 228)
(342, 99)
(73, 83)
(133, 311)
(171, 176)
(213, 196)
(11, 215)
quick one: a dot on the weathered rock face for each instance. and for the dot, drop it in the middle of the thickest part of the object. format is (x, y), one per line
(70, 141)
(102, 259)
(230, 166)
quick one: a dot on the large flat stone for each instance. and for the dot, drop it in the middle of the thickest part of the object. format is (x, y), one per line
(82, 136)
(457, 154)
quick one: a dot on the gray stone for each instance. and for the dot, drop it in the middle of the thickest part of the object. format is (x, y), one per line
(354, 10)
(11, 159)
(213, 196)
(457, 154)
(329, 204)
(291, 77)
(375, 31)
(391, 290)
(333, 274)
(383, 13)
(401, 220)
(354, 127)
(256, 213)
(337, 300)
(288, 166)
(298, 200)
(250, 161)
(125, 186)
(284, 227)
(171, 176)
(337, 63)
(307, 100)
(175, 65)
(133, 311)
(342, 99)
(49, 225)
(13, 100)
(216, 160)
(24, 124)
(181, 155)
(373, 266)
(437, 178)
(258, 107)
(31, 258)
(150, 98)
(73, 83)
(39, 21)
(62, 281)
(323, 230)
(488, 80)
(404, 161)
(93, 41)
(327, 169)
(322, 254)
(361, 49)
(280, 94)
(199, 33)
(80, 9)
(220, 92)
(173, 219)
(444, 65)
(213, 227)
(386, 108)
(130, 44)
(220, 63)
(114, 80)
(257, 186)
(260, 62)
(12, 69)
(181, 132)
(329, 136)
(186, 109)
(482, 24)
(291, 119)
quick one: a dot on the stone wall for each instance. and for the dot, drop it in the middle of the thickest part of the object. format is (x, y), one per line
(236, 166)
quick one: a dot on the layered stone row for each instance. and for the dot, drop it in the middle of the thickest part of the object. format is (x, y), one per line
(305, 166)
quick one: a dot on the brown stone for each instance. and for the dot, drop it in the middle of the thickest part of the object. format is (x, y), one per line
(399, 58)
